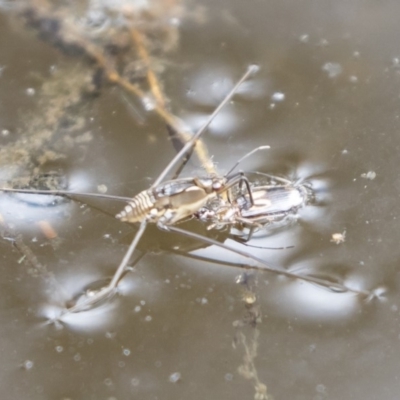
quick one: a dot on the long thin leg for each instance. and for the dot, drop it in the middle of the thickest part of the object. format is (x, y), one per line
(243, 179)
(177, 142)
(265, 266)
(109, 289)
(250, 70)
(66, 193)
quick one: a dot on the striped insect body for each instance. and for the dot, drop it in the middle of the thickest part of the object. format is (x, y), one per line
(172, 201)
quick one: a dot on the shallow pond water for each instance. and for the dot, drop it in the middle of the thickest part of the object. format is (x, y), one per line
(326, 99)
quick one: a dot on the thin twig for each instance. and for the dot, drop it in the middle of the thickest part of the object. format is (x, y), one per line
(152, 79)
(18, 242)
(70, 35)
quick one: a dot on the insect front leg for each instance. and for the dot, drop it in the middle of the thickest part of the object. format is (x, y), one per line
(237, 179)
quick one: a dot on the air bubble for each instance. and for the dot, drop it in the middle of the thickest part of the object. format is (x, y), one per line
(175, 21)
(175, 377)
(304, 38)
(278, 96)
(108, 382)
(228, 377)
(28, 364)
(333, 69)
(353, 79)
(320, 388)
(102, 188)
(30, 92)
(148, 104)
(135, 382)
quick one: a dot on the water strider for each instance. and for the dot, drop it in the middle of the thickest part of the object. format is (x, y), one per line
(271, 202)
(166, 203)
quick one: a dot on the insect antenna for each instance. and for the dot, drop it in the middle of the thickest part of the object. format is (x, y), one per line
(239, 177)
(250, 153)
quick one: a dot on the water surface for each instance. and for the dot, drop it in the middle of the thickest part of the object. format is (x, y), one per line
(326, 100)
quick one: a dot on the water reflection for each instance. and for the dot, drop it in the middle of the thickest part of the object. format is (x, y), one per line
(310, 303)
(94, 320)
(209, 85)
(29, 209)
(330, 115)
(69, 289)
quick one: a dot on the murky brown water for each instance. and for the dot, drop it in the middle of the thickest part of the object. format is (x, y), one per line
(178, 330)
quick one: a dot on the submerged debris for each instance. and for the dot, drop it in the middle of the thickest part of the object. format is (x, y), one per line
(338, 238)
(332, 69)
(47, 230)
(370, 175)
(124, 44)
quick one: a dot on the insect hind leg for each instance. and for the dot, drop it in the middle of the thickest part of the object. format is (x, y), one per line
(262, 265)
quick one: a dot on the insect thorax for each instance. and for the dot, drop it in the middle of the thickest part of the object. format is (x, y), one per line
(272, 203)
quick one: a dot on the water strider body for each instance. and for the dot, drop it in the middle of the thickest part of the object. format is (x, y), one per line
(176, 200)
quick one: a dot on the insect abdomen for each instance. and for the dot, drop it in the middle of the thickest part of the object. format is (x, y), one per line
(137, 209)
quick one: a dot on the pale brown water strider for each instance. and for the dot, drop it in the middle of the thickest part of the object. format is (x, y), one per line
(326, 99)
